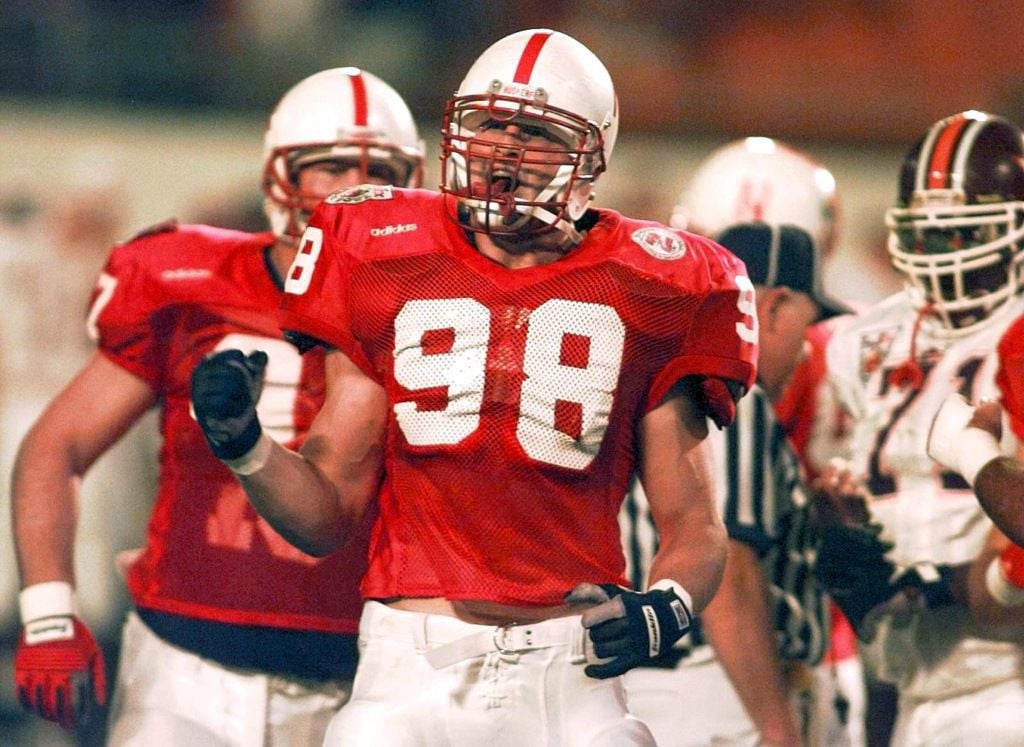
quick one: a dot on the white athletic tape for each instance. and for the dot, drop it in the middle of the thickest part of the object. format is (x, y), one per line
(1005, 592)
(953, 444)
(48, 599)
(254, 459)
(667, 584)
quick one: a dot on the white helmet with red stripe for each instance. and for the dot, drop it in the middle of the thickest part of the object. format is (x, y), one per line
(540, 78)
(760, 179)
(342, 113)
(956, 234)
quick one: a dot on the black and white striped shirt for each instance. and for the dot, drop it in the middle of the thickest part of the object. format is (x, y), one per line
(764, 504)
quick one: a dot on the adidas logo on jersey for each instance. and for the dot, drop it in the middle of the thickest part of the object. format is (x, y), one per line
(394, 229)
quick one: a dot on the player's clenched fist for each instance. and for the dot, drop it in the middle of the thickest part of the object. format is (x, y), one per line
(630, 628)
(58, 668)
(225, 389)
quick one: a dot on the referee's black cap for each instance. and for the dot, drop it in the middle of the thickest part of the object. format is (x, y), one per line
(782, 254)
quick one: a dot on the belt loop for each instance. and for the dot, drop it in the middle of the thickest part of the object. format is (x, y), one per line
(578, 645)
(419, 633)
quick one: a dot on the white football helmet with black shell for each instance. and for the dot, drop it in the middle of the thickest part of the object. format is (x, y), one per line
(538, 78)
(956, 234)
(342, 113)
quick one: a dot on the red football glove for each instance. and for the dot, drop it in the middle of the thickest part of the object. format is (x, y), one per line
(59, 672)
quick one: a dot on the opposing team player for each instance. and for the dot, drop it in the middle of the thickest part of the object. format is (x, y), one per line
(955, 235)
(236, 637)
(502, 357)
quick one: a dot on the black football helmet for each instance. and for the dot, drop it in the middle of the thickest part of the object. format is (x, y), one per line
(956, 233)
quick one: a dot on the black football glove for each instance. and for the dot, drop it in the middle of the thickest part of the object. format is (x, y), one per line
(852, 566)
(629, 628)
(225, 389)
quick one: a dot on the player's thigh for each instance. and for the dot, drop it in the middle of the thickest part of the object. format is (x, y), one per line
(164, 695)
(992, 717)
(587, 712)
(299, 712)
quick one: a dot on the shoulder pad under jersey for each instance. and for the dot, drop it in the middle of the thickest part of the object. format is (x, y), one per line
(164, 226)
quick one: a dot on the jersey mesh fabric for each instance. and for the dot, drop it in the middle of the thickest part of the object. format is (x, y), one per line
(1010, 376)
(174, 297)
(514, 393)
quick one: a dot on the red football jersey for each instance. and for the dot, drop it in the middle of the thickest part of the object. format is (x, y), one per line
(162, 303)
(1010, 376)
(515, 393)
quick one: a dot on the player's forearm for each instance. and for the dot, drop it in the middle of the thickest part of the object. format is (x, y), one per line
(999, 486)
(694, 556)
(296, 498)
(996, 597)
(44, 512)
(739, 624)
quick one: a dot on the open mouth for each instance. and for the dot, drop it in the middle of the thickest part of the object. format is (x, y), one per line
(500, 189)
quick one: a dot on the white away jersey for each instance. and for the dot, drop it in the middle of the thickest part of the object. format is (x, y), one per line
(931, 514)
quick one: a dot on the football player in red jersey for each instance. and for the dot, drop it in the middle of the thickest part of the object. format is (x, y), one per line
(501, 359)
(236, 637)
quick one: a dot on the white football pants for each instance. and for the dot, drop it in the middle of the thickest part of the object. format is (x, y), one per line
(435, 680)
(165, 695)
(992, 716)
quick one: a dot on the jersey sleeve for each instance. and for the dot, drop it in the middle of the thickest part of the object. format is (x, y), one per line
(721, 341)
(1010, 376)
(316, 306)
(124, 314)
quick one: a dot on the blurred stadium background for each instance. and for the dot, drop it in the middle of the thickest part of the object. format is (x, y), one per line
(117, 115)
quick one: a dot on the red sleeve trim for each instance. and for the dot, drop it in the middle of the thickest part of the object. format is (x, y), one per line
(292, 321)
(698, 365)
(150, 375)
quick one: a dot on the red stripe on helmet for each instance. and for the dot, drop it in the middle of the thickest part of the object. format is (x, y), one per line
(359, 103)
(525, 68)
(942, 154)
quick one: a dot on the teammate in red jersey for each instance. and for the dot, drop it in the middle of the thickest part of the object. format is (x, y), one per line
(236, 638)
(501, 359)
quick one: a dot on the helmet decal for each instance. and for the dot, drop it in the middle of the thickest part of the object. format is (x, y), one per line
(529, 59)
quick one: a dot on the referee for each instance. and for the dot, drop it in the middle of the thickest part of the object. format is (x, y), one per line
(746, 674)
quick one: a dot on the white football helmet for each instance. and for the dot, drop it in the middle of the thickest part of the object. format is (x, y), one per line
(760, 179)
(957, 232)
(341, 113)
(540, 78)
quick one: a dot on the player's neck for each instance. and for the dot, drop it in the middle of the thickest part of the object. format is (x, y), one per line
(281, 254)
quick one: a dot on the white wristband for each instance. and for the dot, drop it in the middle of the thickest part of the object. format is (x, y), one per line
(48, 599)
(1005, 592)
(667, 584)
(975, 449)
(254, 459)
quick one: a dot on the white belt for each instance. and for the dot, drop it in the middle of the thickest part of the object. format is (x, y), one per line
(446, 640)
(513, 639)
